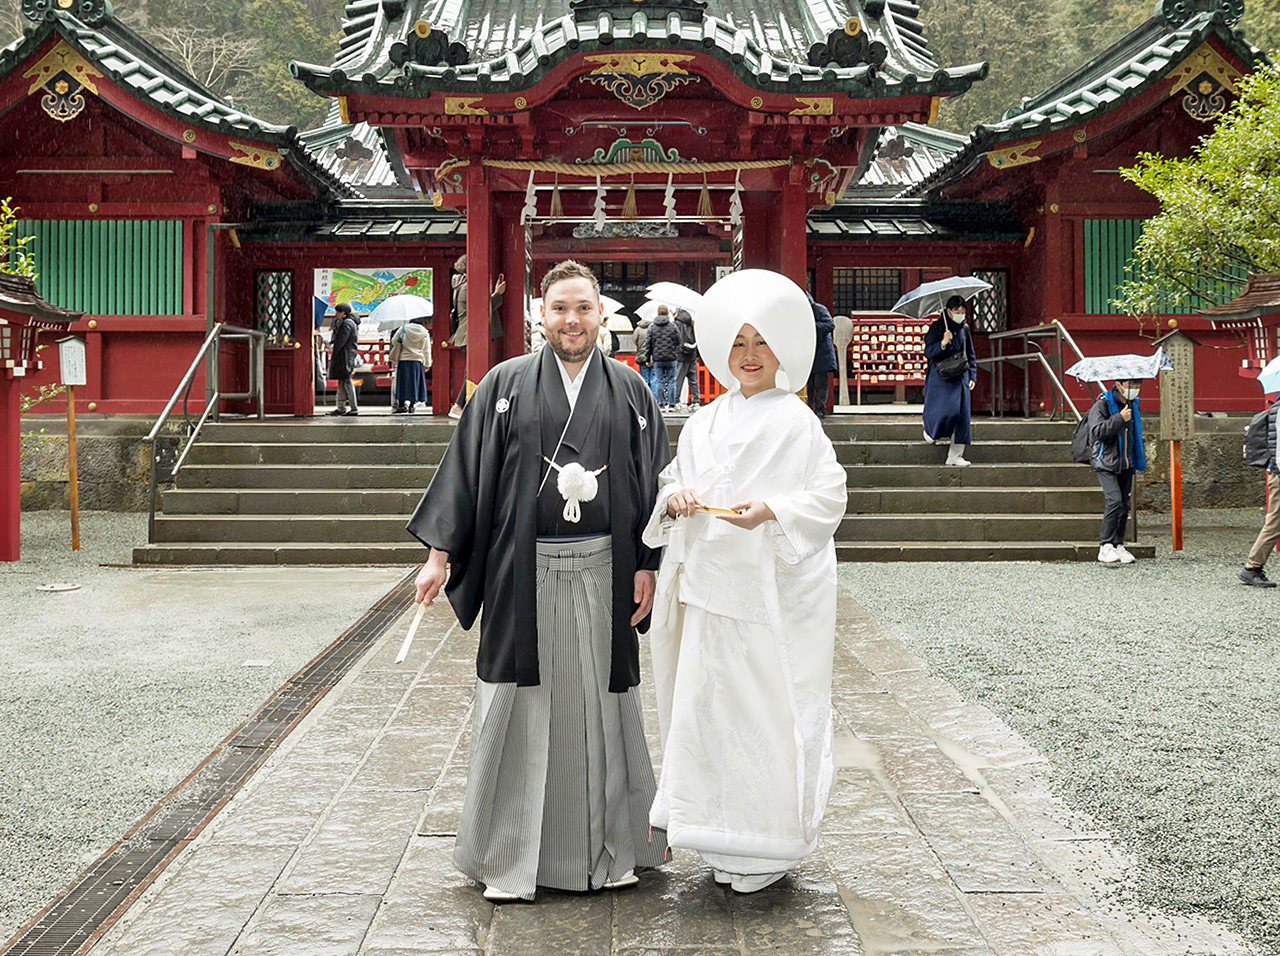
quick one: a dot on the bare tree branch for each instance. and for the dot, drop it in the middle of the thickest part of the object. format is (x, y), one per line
(211, 58)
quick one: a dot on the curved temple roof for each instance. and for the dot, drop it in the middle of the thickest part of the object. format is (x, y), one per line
(876, 47)
(134, 64)
(1127, 69)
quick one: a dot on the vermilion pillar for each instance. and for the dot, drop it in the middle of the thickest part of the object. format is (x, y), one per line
(793, 255)
(10, 482)
(480, 269)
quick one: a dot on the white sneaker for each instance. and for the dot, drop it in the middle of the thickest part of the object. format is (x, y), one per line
(1107, 554)
(756, 882)
(927, 439)
(621, 883)
(455, 412)
(958, 462)
(495, 895)
(1123, 553)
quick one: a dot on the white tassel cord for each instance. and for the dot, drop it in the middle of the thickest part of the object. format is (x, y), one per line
(669, 200)
(576, 485)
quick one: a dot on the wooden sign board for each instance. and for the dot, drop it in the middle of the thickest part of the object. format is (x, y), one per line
(71, 359)
(1177, 390)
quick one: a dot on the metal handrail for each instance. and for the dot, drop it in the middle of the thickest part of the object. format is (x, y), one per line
(1037, 354)
(1062, 340)
(219, 333)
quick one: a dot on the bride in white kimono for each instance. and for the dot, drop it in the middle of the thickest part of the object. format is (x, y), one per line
(744, 616)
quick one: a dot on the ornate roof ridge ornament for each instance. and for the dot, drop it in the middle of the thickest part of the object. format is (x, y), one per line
(1178, 12)
(428, 46)
(89, 11)
(849, 46)
(692, 11)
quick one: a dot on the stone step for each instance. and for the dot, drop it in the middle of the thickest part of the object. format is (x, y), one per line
(980, 551)
(977, 475)
(395, 453)
(422, 428)
(291, 501)
(389, 528)
(328, 477)
(376, 501)
(918, 453)
(1013, 500)
(411, 554)
(318, 453)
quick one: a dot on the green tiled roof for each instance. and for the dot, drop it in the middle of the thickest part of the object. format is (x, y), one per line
(1133, 65)
(493, 45)
(905, 155)
(136, 65)
(899, 219)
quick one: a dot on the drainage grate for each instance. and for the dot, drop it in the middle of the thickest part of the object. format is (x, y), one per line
(99, 895)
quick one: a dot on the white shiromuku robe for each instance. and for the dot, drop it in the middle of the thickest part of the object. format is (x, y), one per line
(743, 635)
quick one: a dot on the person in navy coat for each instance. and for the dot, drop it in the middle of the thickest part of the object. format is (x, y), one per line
(946, 401)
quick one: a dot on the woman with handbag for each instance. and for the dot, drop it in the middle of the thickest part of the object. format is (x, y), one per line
(953, 372)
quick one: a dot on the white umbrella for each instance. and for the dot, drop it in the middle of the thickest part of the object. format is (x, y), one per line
(675, 294)
(398, 310)
(1108, 368)
(648, 309)
(930, 297)
(1269, 377)
(617, 323)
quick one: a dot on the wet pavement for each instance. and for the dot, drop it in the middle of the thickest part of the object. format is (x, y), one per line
(943, 837)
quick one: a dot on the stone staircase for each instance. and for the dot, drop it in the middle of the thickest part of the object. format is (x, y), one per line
(320, 491)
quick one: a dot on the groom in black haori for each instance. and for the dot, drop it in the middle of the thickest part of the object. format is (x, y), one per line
(537, 509)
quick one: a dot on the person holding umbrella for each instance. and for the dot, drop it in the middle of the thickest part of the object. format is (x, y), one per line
(952, 374)
(410, 355)
(1115, 431)
(1252, 573)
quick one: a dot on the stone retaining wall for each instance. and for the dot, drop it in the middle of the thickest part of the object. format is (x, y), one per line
(111, 456)
(1214, 474)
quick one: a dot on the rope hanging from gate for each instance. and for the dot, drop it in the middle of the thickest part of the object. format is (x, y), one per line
(593, 170)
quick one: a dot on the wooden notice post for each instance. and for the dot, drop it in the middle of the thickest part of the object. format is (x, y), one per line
(1177, 415)
(71, 360)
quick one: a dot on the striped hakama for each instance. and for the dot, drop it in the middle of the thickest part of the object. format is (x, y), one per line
(560, 780)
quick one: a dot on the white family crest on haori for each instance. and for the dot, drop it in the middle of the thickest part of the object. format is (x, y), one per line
(576, 485)
(644, 422)
(772, 304)
(502, 405)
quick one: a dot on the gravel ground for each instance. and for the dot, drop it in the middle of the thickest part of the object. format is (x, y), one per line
(118, 690)
(1151, 688)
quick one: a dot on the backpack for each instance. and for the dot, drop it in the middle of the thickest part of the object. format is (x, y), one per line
(1081, 447)
(1258, 451)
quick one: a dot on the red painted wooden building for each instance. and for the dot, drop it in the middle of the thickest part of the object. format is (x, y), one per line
(655, 140)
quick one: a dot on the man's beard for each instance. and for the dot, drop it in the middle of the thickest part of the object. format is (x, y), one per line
(557, 345)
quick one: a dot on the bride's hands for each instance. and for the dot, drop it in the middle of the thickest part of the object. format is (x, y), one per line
(683, 503)
(751, 514)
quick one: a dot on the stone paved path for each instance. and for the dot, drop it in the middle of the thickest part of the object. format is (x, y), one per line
(942, 838)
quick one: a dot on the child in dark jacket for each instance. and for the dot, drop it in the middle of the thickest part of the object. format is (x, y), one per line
(1115, 437)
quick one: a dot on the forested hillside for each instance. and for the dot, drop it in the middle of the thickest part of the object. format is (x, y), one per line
(241, 48)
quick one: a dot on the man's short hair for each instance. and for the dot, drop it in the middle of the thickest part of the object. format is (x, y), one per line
(569, 269)
(342, 308)
(663, 310)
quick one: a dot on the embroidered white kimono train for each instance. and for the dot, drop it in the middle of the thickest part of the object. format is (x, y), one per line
(743, 635)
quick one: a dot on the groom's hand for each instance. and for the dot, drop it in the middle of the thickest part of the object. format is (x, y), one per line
(643, 596)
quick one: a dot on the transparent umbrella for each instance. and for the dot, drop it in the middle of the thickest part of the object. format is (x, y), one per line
(675, 294)
(1269, 377)
(929, 298)
(397, 310)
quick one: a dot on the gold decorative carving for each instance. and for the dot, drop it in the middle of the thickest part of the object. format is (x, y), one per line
(1012, 156)
(422, 28)
(639, 79)
(853, 26)
(463, 106)
(521, 103)
(756, 102)
(1079, 136)
(344, 109)
(256, 156)
(62, 59)
(1204, 59)
(1053, 208)
(189, 135)
(814, 106)
(93, 207)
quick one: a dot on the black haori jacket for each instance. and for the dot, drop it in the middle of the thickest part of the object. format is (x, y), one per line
(481, 507)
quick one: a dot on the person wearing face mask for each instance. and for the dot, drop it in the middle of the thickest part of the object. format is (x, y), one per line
(946, 391)
(1115, 436)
